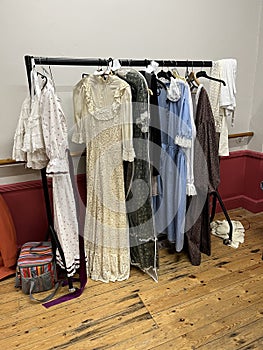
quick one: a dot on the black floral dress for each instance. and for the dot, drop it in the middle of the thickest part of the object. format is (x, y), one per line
(143, 242)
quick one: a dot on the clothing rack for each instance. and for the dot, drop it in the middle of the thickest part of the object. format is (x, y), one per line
(77, 61)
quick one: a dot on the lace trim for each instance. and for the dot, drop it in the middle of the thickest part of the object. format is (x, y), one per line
(143, 121)
(182, 141)
(218, 124)
(77, 137)
(19, 155)
(107, 264)
(106, 112)
(57, 165)
(33, 139)
(128, 155)
(174, 91)
(37, 160)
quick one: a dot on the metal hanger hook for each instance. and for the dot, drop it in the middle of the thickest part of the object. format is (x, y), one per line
(187, 70)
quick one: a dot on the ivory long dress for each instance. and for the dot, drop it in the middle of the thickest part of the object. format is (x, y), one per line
(41, 140)
(103, 115)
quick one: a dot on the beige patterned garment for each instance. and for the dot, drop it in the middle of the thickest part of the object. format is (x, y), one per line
(103, 115)
(214, 95)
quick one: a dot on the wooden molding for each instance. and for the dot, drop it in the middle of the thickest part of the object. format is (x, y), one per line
(241, 134)
(9, 161)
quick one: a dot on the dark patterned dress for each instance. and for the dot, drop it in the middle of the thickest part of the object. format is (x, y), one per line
(207, 178)
(143, 242)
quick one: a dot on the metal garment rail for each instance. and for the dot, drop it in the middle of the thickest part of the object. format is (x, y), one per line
(78, 61)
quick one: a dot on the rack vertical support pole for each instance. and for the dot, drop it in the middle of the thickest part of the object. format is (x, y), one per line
(54, 238)
(216, 196)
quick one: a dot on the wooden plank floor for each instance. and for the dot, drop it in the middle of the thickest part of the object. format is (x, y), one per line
(217, 305)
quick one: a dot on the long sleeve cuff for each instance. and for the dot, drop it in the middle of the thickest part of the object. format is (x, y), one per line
(77, 135)
(182, 141)
(190, 190)
(57, 166)
(128, 154)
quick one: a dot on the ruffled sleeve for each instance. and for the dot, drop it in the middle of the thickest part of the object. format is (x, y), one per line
(128, 153)
(55, 133)
(18, 152)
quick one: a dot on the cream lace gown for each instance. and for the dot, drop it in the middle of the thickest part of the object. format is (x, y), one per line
(103, 115)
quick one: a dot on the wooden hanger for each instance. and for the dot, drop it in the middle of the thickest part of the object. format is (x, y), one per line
(192, 80)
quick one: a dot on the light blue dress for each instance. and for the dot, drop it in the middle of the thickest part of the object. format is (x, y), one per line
(176, 131)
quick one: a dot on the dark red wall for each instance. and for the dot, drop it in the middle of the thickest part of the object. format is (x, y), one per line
(241, 174)
(26, 204)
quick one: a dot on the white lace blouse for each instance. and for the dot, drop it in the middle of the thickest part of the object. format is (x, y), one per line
(116, 100)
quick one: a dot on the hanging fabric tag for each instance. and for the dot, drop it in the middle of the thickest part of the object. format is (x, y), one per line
(173, 91)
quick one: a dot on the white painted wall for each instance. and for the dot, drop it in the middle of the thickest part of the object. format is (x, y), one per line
(203, 29)
(256, 120)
